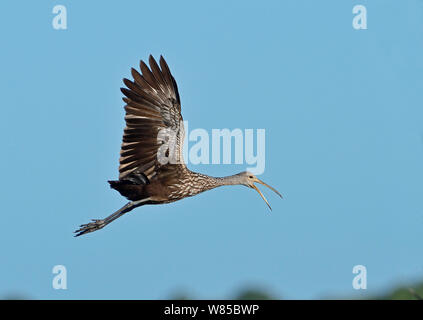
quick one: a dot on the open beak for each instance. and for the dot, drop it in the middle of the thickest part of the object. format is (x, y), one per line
(261, 194)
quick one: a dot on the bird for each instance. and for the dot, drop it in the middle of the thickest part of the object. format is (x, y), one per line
(151, 165)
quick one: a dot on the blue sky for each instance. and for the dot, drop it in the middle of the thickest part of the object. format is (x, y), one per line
(342, 110)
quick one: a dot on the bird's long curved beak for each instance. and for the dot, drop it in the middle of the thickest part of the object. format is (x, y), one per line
(261, 194)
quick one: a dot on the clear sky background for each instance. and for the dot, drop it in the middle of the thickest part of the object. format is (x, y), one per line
(343, 114)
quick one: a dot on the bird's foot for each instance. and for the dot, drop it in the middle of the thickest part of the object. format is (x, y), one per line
(97, 224)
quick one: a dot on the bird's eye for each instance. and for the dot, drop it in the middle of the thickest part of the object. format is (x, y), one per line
(250, 177)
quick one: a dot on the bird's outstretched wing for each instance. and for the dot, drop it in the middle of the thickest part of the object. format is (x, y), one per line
(154, 132)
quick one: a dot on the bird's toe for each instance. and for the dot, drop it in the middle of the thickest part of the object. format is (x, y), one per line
(90, 227)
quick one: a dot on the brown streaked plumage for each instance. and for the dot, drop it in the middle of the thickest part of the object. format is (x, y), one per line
(152, 169)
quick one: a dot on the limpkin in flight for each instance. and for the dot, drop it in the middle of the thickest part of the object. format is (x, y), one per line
(153, 106)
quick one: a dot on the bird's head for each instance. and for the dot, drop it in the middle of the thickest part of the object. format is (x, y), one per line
(248, 179)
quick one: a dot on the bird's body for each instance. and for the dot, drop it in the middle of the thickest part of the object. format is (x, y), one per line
(184, 183)
(152, 169)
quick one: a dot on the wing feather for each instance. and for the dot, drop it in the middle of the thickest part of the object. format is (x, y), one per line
(152, 104)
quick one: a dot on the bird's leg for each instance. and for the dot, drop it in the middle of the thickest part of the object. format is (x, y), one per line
(98, 224)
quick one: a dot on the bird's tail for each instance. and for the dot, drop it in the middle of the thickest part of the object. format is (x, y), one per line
(129, 189)
(114, 184)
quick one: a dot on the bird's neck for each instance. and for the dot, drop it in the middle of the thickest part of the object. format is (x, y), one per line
(214, 182)
(227, 181)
